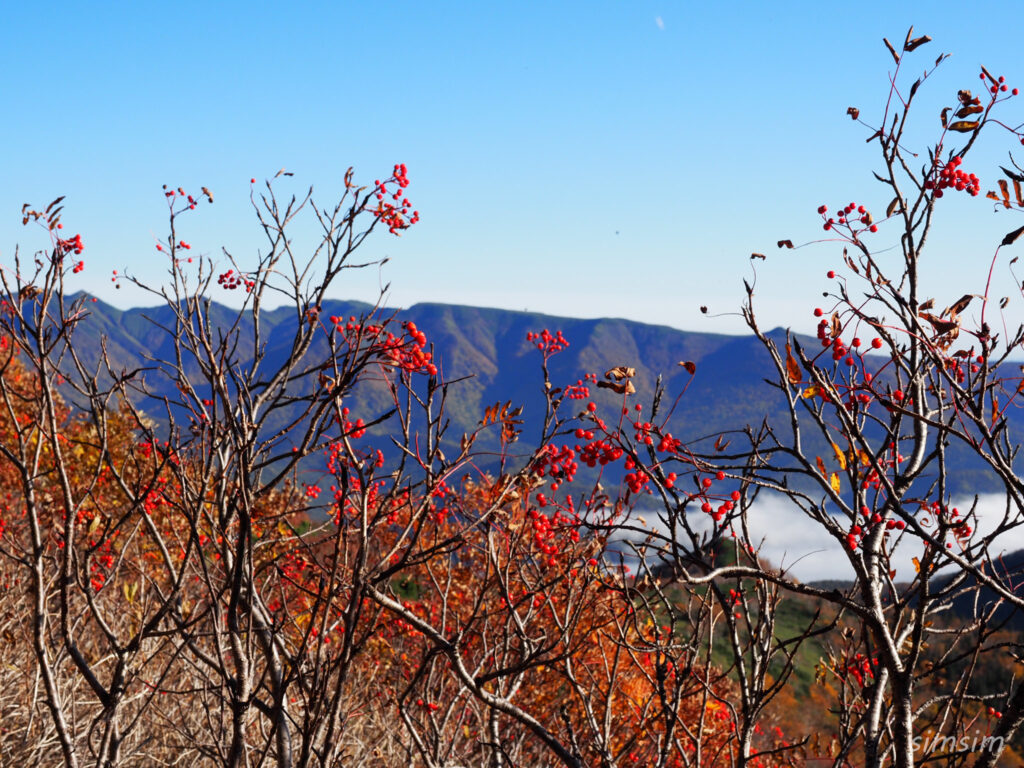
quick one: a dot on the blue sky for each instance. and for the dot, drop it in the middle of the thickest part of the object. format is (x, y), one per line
(577, 158)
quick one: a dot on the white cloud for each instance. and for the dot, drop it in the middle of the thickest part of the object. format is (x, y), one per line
(659, 22)
(791, 540)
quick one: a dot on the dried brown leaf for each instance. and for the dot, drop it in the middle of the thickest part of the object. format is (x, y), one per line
(916, 43)
(1011, 237)
(895, 56)
(964, 126)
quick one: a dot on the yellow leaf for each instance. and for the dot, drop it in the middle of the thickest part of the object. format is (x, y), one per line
(94, 524)
(865, 459)
(834, 482)
(812, 391)
(821, 466)
(840, 456)
(917, 564)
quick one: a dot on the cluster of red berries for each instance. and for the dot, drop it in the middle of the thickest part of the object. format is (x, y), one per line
(725, 507)
(313, 491)
(409, 353)
(636, 481)
(860, 668)
(408, 356)
(412, 357)
(999, 86)
(643, 432)
(546, 342)
(579, 390)
(669, 444)
(598, 451)
(959, 527)
(396, 217)
(545, 533)
(231, 280)
(871, 519)
(73, 244)
(354, 429)
(190, 201)
(557, 463)
(951, 177)
(848, 216)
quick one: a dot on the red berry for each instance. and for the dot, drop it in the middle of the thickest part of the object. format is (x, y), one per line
(830, 274)
(818, 312)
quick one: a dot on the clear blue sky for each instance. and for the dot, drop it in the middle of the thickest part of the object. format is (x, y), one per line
(578, 158)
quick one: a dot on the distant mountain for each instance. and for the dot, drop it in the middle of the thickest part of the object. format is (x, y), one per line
(487, 348)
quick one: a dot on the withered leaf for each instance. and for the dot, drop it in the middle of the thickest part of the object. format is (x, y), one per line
(689, 365)
(970, 109)
(703, 309)
(1003, 302)
(1010, 174)
(721, 443)
(965, 96)
(927, 305)
(1011, 237)
(964, 126)
(837, 327)
(758, 256)
(785, 243)
(959, 305)
(793, 372)
(624, 388)
(917, 42)
(853, 112)
(941, 326)
(989, 75)
(1016, 192)
(895, 56)
(620, 372)
(1004, 190)
(942, 116)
